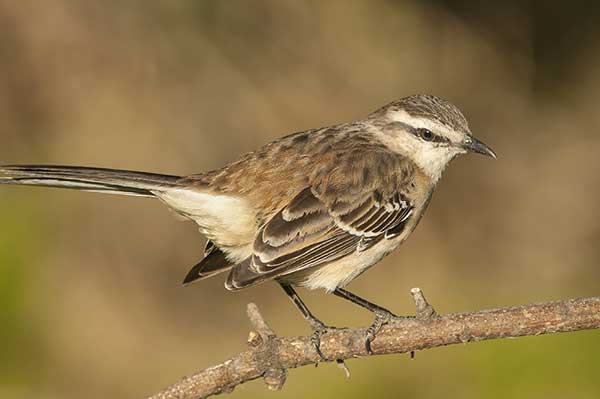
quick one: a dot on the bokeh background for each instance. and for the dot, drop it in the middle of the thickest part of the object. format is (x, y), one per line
(90, 298)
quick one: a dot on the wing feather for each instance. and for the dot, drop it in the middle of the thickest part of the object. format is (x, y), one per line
(357, 193)
(308, 233)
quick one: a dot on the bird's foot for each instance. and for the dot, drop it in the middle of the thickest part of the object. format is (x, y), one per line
(382, 317)
(320, 329)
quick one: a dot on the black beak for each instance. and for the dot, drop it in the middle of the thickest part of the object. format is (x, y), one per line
(473, 145)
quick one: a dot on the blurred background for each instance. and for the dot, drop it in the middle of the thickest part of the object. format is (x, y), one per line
(90, 298)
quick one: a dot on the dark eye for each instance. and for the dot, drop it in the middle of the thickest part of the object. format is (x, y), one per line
(426, 134)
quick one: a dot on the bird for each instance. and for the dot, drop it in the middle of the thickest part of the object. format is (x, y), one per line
(313, 209)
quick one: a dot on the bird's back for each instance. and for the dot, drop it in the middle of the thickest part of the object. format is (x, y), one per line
(341, 158)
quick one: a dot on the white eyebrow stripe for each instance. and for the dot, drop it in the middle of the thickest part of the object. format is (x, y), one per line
(415, 122)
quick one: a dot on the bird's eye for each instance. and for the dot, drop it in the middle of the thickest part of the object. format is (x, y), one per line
(426, 134)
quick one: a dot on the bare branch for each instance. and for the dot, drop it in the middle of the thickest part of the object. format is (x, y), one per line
(269, 356)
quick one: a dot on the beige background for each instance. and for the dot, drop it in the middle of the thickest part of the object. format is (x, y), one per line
(90, 295)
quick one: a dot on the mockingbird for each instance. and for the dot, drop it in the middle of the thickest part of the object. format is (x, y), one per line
(313, 209)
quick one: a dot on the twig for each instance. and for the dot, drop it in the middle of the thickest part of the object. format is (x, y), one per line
(424, 310)
(266, 349)
(342, 365)
(258, 322)
(269, 356)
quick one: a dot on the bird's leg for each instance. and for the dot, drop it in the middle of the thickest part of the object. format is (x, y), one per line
(319, 328)
(382, 315)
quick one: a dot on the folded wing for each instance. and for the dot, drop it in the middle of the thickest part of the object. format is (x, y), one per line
(311, 232)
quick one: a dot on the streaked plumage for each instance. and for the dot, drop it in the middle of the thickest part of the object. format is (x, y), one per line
(314, 208)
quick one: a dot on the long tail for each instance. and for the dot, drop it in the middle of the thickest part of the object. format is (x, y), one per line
(111, 181)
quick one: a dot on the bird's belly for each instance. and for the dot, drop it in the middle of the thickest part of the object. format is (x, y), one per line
(340, 272)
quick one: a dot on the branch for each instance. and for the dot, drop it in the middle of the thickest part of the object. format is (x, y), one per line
(269, 356)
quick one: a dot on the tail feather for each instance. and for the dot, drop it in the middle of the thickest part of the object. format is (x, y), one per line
(213, 263)
(111, 181)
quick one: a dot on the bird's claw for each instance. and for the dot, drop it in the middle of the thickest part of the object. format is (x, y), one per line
(320, 329)
(382, 317)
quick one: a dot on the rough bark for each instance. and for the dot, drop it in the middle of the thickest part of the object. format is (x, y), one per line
(270, 357)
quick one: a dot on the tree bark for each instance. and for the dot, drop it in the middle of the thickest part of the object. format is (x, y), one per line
(270, 357)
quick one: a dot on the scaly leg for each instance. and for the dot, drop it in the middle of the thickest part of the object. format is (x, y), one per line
(318, 327)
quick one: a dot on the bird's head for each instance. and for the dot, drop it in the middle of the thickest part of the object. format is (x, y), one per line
(427, 129)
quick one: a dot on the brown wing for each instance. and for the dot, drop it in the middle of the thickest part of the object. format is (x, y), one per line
(310, 232)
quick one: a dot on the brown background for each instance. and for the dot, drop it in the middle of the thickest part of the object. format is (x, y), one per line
(90, 300)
